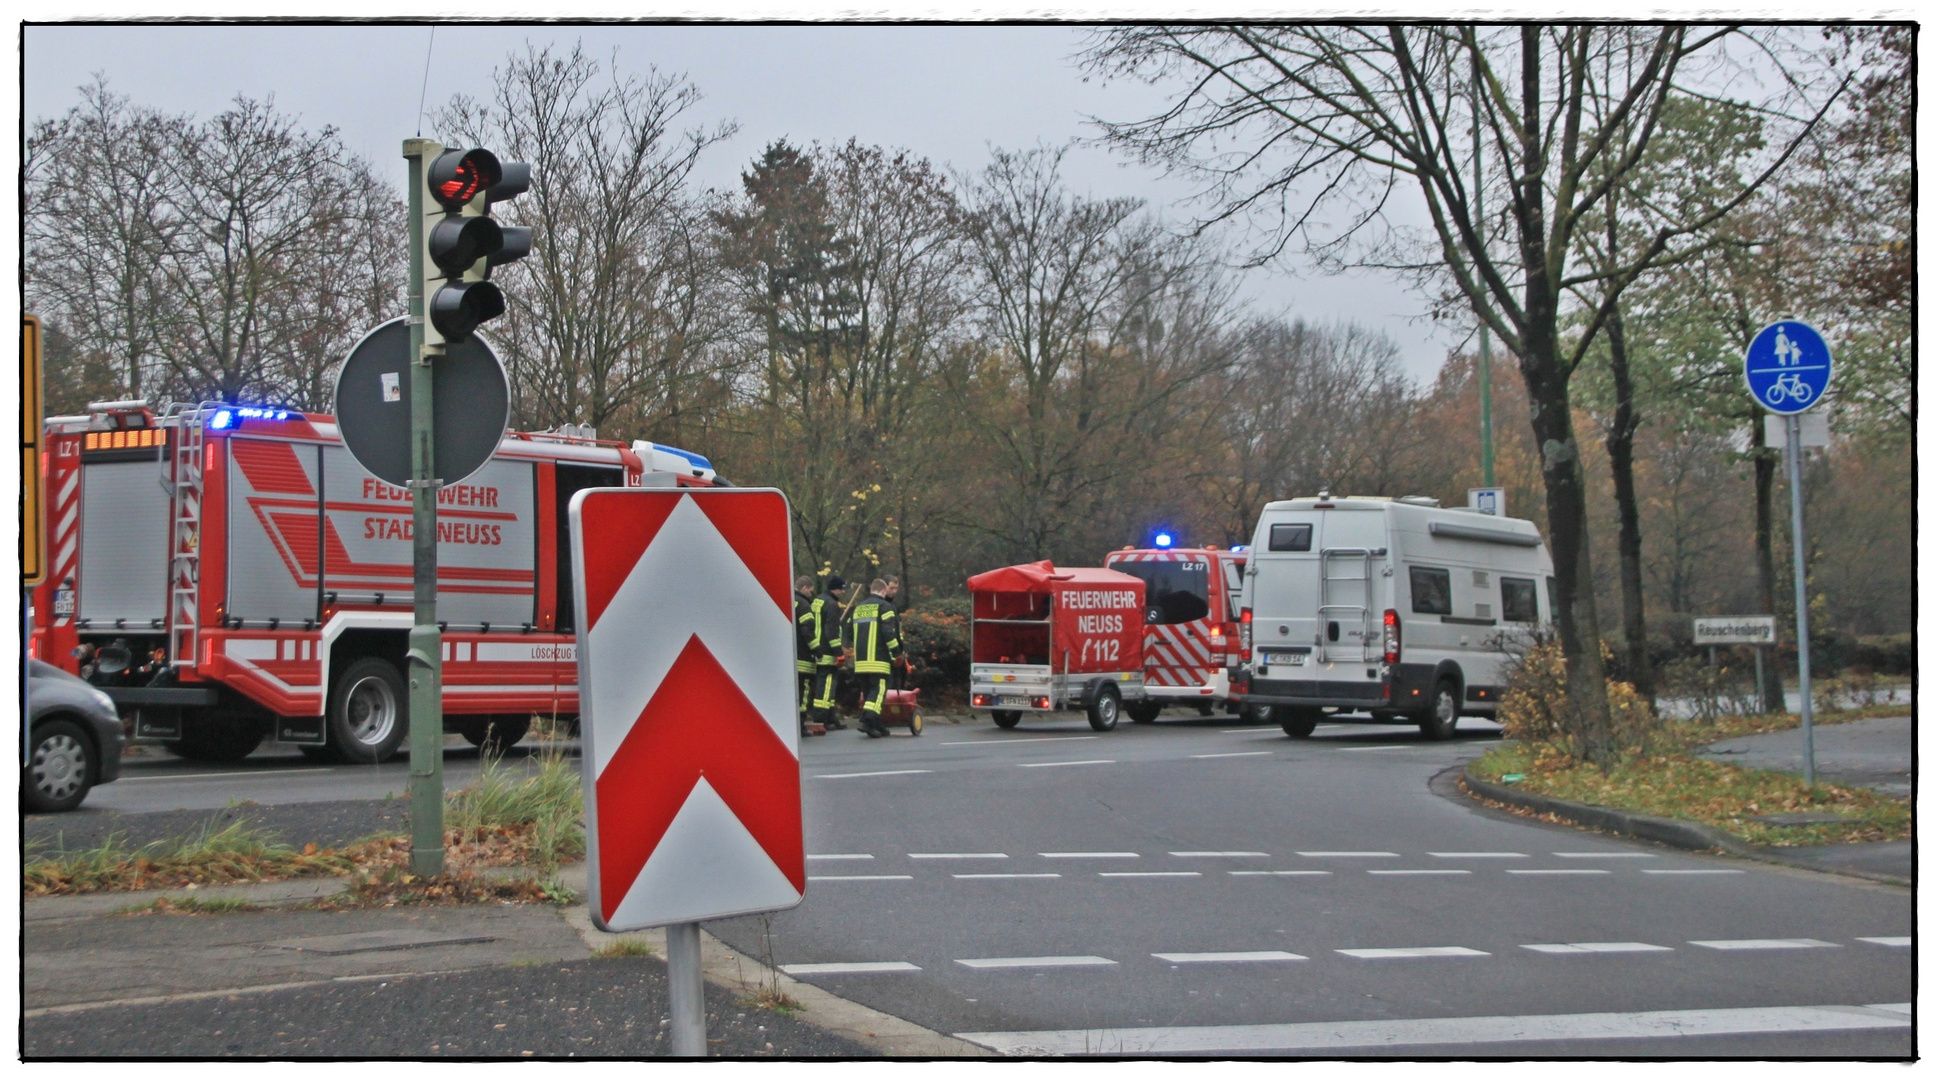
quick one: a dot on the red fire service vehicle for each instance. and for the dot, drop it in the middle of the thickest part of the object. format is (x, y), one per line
(229, 573)
(1043, 639)
(1190, 631)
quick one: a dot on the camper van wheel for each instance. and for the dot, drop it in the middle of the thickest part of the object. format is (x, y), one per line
(1144, 712)
(1005, 718)
(1105, 706)
(1298, 723)
(1438, 724)
(368, 711)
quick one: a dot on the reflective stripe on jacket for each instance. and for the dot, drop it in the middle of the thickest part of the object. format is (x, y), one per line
(875, 634)
(825, 640)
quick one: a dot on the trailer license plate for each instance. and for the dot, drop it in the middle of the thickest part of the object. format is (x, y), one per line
(1013, 699)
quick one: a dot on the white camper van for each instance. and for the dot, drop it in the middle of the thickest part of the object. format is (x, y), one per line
(1392, 607)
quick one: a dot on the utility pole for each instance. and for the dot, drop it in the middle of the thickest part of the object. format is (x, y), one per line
(426, 655)
(1486, 339)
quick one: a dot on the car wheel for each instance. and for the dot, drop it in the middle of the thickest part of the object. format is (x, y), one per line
(1438, 723)
(495, 734)
(1144, 712)
(1298, 723)
(218, 739)
(60, 768)
(368, 715)
(1005, 718)
(1105, 707)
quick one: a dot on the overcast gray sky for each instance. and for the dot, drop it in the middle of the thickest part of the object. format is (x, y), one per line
(945, 92)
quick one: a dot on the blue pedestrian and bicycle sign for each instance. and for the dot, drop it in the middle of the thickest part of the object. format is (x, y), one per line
(1787, 367)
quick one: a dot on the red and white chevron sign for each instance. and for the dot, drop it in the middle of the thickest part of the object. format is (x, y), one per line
(686, 697)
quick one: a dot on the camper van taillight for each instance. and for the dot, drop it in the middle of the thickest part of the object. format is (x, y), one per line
(1244, 631)
(1391, 636)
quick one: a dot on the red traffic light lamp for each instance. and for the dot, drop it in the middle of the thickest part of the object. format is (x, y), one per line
(458, 176)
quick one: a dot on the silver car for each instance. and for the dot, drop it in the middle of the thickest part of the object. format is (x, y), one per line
(76, 740)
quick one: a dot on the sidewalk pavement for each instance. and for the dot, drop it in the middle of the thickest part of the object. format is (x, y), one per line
(92, 978)
(1862, 753)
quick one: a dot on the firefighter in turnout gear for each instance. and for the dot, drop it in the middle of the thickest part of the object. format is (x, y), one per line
(824, 644)
(804, 652)
(874, 633)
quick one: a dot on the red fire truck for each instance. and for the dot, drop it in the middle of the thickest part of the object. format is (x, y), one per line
(1190, 634)
(1044, 638)
(229, 573)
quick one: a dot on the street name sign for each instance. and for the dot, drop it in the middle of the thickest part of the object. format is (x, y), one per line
(1736, 630)
(687, 721)
(373, 405)
(1787, 366)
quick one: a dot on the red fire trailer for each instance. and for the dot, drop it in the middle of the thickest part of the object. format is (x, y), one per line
(1043, 639)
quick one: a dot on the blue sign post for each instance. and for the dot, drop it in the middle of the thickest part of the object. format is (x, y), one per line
(1788, 367)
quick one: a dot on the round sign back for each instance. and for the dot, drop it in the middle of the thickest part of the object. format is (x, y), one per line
(473, 405)
(1787, 367)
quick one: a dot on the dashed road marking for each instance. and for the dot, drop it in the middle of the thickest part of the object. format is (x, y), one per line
(1686, 873)
(1334, 1035)
(999, 877)
(1892, 942)
(1605, 855)
(1393, 746)
(885, 772)
(1221, 854)
(1279, 873)
(1020, 742)
(864, 968)
(1260, 956)
(1558, 873)
(1350, 854)
(988, 962)
(1418, 873)
(1150, 873)
(1089, 854)
(1240, 753)
(1052, 764)
(1477, 854)
(840, 856)
(861, 877)
(1598, 947)
(1411, 954)
(1766, 943)
(957, 855)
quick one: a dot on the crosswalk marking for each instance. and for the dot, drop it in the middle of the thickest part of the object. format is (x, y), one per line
(1336, 1035)
(1259, 956)
(1037, 961)
(867, 968)
(1410, 954)
(1599, 947)
(1767, 943)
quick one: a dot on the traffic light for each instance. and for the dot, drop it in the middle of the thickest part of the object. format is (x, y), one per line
(462, 243)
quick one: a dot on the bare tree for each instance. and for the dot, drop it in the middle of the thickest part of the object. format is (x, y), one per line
(1310, 122)
(609, 316)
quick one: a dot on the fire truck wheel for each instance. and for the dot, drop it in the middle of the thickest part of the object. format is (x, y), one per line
(1005, 718)
(496, 733)
(1437, 725)
(1105, 707)
(368, 712)
(219, 739)
(1144, 712)
(60, 768)
(1298, 723)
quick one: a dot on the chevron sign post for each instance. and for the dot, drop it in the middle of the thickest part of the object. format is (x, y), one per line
(687, 715)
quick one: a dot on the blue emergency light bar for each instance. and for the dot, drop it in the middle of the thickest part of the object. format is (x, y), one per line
(230, 417)
(687, 454)
(1164, 540)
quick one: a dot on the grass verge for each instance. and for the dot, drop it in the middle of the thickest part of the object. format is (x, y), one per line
(193, 905)
(1689, 734)
(623, 947)
(233, 854)
(1677, 785)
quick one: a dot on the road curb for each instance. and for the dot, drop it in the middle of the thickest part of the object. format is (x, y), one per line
(1687, 835)
(264, 893)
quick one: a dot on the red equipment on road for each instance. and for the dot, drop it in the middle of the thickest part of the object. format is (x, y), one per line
(1043, 638)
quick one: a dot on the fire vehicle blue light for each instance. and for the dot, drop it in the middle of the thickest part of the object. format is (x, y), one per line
(230, 417)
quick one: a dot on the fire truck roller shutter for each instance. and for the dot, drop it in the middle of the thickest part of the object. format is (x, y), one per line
(275, 556)
(124, 543)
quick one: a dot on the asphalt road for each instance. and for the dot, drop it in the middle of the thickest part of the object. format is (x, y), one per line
(1202, 888)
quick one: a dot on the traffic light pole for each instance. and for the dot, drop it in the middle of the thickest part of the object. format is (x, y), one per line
(426, 641)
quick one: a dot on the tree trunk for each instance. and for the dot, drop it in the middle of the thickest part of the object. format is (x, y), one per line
(1766, 459)
(1620, 454)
